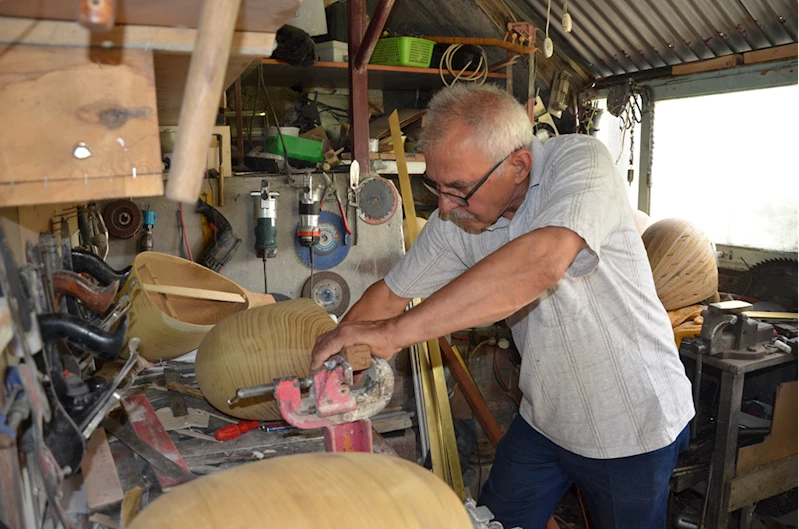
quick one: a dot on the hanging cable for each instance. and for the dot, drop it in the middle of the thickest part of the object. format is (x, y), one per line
(479, 75)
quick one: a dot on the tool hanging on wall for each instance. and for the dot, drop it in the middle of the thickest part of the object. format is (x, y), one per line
(308, 232)
(146, 242)
(352, 197)
(123, 219)
(225, 244)
(265, 211)
(377, 200)
(330, 291)
(331, 248)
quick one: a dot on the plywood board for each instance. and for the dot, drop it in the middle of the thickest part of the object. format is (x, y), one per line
(55, 99)
(781, 441)
(767, 481)
(254, 15)
(155, 38)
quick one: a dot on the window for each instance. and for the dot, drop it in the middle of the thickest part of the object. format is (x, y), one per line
(728, 163)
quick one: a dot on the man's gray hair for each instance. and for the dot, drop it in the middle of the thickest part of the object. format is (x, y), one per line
(498, 123)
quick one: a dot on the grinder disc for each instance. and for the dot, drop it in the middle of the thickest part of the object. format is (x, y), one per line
(330, 291)
(123, 218)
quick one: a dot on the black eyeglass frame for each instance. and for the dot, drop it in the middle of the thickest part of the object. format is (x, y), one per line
(463, 201)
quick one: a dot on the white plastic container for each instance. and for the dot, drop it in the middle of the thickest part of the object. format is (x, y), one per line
(333, 51)
(286, 131)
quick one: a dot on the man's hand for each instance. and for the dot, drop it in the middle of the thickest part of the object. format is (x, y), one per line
(378, 335)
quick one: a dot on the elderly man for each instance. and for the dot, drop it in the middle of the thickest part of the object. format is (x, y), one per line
(542, 235)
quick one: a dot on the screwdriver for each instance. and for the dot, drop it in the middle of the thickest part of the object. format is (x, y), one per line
(233, 431)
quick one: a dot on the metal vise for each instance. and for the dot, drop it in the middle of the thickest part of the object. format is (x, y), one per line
(728, 333)
(333, 402)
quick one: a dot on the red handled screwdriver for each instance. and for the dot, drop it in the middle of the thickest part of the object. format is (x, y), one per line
(233, 431)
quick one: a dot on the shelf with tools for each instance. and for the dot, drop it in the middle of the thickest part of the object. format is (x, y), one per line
(336, 75)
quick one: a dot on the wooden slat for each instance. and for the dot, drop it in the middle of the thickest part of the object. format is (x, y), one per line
(255, 15)
(146, 424)
(719, 63)
(100, 477)
(763, 315)
(781, 441)
(476, 41)
(195, 293)
(55, 98)
(158, 39)
(789, 51)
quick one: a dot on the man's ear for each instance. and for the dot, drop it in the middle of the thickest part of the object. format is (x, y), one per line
(522, 163)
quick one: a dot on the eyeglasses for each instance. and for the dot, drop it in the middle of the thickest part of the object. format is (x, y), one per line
(462, 201)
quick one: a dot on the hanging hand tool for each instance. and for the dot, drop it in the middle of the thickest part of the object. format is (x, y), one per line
(96, 298)
(146, 241)
(265, 210)
(79, 333)
(352, 196)
(84, 262)
(308, 231)
(331, 182)
(233, 431)
(225, 244)
(332, 403)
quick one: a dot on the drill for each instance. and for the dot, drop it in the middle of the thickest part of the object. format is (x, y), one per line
(308, 229)
(265, 204)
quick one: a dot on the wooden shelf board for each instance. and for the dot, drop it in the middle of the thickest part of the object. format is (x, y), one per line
(335, 75)
(254, 15)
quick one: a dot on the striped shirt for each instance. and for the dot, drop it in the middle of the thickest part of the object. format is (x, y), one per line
(600, 373)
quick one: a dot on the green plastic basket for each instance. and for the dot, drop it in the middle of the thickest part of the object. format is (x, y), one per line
(403, 51)
(299, 148)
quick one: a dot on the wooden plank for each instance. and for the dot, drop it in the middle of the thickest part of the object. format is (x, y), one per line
(103, 99)
(763, 315)
(254, 15)
(195, 293)
(335, 75)
(767, 481)
(789, 51)
(11, 500)
(719, 63)
(471, 393)
(146, 424)
(781, 441)
(100, 477)
(155, 38)
(476, 41)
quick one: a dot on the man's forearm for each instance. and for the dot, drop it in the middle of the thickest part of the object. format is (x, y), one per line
(377, 303)
(493, 289)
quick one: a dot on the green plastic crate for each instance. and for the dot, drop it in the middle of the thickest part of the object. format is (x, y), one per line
(403, 51)
(298, 148)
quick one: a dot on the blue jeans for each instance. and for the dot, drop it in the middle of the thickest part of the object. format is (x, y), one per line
(531, 474)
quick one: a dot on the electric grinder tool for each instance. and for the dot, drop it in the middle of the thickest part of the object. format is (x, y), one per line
(265, 204)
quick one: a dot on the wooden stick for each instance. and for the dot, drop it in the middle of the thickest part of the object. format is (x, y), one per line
(762, 315)
(131, 505)
(167, 305)
(195, 293)
(201, 97)
(186, 390)
(471, 393)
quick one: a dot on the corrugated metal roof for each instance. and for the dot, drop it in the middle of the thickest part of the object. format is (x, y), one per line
(614, 37)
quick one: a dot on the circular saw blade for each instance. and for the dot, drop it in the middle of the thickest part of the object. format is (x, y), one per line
(332, 247)
(377, 200)
(330, 291)
(123, 218)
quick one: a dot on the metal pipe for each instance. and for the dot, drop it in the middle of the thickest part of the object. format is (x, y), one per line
(372, 34)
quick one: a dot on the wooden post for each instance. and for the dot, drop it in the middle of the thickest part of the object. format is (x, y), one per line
(201, 97)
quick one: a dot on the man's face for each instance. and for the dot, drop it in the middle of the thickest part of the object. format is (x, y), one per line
(456, 166)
